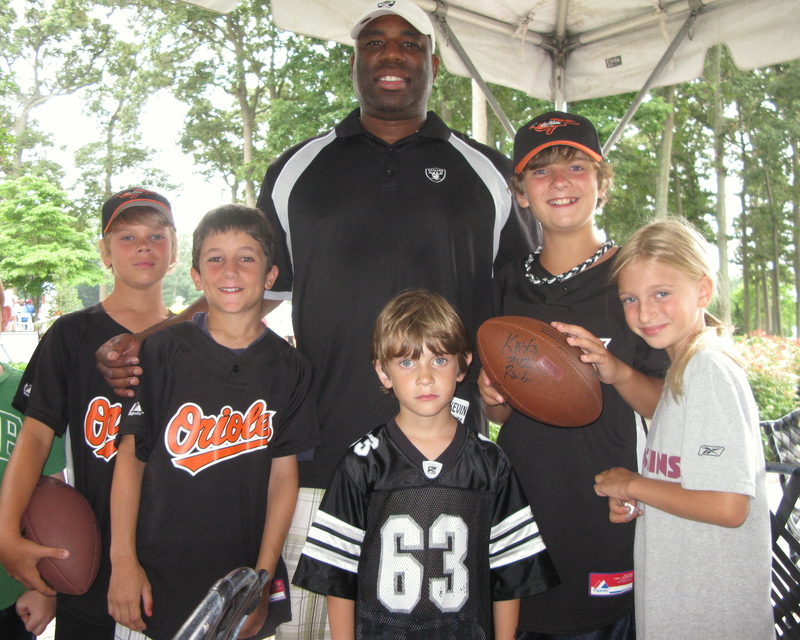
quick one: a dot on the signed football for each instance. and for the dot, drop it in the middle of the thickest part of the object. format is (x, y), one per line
(59, 516)
(538, 372)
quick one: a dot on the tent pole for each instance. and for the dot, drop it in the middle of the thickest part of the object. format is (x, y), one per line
(653, 77)
(440, 12)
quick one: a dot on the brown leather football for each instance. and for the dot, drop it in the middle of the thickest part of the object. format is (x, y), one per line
(538, 372)
(59, 516)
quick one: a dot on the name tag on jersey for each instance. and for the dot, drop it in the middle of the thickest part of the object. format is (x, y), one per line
(610, 584)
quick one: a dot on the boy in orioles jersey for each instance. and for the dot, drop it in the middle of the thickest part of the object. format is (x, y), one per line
(63, 392)
(206, 476)
(424, 532)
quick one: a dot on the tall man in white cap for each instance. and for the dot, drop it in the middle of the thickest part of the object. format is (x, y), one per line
(391, 199)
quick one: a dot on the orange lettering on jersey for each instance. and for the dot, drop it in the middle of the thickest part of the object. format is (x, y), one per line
(100, 427)
(196, 441)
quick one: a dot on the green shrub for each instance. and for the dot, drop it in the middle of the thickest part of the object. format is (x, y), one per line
(773, 369)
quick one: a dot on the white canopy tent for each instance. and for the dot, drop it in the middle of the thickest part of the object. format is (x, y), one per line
(569, 50)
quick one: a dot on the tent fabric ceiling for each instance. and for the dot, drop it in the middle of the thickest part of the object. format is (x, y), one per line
(607, 46)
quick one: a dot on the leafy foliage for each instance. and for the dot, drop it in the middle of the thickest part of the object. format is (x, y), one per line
(773, 372)
(40, 240)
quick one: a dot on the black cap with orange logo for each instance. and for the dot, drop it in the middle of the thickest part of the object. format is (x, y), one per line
(135, 197)
(555, 128)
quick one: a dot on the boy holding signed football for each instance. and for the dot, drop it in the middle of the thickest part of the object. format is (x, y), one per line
(562, 178)
(206, 477)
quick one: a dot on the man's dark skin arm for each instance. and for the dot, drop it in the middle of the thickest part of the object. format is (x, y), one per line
(117, 359)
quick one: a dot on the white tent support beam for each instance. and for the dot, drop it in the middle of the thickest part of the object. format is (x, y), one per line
(687, 25)
(441, 17)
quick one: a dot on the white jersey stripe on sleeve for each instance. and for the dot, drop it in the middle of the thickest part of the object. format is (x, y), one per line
(530, 530)
(511, 522)
(333, 540)
(530, 548)
(330, 557)
(334, 524)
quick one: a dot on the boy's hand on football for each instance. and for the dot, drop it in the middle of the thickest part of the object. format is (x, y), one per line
(20, 558)
(490, 395)
(608, 368)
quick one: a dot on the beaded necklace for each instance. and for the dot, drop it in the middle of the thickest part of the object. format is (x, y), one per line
(564, 276)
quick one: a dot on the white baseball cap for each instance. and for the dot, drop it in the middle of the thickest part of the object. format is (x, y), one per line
(406, 9)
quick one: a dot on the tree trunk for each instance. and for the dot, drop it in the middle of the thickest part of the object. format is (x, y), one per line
(719, 167)
(480, 120)
(744, 245)
(665, 157)
(796, 232)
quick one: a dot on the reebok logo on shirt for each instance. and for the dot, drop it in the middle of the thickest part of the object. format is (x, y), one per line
(196, 441)
(710, 450)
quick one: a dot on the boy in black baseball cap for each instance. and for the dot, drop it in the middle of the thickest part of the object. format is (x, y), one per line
(62, 392)
(562, 178)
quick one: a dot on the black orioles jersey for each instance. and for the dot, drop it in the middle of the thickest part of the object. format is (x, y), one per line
(423, 546)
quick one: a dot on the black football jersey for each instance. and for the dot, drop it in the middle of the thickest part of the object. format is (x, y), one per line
(424, 546)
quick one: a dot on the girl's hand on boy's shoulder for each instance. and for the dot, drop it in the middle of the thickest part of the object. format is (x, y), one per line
(608, 367)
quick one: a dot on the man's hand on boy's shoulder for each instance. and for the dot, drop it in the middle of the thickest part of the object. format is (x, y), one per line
(117, 362)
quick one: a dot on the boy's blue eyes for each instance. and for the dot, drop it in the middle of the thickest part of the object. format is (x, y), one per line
(408, 362)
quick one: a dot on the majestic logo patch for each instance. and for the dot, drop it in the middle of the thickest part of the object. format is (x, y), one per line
(100, 427)
(196, 441)
(710, 450)
(610, 584)
(435, 174)
(277, 591)
(136, 410)
(26, 390)
(548, 126)
(431, 468)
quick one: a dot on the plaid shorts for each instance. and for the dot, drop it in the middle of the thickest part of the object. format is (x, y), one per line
(309, 610)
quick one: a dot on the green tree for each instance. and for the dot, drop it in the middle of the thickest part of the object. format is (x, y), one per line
(252, 89)
(41, 243)
(54, 48)
(131, 77)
